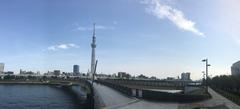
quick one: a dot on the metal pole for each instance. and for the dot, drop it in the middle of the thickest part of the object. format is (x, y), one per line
(203, 80)
(206, 60)
(207, 74)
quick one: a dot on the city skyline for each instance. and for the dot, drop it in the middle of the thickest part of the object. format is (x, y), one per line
(151, 37)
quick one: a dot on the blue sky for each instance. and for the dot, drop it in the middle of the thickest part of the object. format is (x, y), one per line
(152, 37)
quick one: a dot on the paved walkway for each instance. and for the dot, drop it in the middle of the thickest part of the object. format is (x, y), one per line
(216, 100)
(112, 99)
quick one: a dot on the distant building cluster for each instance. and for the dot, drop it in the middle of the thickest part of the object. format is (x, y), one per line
(22, 72)
(75, 72)
(125, 75)
(2, 72)
(185, 76)
(236, 69)
(171, 78)
(119, 75)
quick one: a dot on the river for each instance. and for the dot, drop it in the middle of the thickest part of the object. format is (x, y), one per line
(28, 96)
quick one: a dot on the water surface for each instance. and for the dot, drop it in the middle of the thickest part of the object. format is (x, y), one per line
(34, 97)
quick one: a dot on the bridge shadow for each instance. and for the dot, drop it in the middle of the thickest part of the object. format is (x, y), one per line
(79, 101)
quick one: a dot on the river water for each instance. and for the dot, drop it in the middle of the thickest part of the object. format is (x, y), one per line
(36, 97)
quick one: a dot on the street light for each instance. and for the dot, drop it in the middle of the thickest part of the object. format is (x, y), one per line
(203, 79)
(207, 65)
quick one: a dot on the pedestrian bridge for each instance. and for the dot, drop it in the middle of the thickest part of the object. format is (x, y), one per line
(110, 98)
(157, 90)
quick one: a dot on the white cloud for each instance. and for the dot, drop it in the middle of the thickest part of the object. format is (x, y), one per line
(62, 46)
(100, 27)
(230, 23)
(97, 27)
(82, 28)
(161, 11)
(115, 22)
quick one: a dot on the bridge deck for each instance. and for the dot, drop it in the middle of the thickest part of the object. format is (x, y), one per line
(217, 100)
(112, 99)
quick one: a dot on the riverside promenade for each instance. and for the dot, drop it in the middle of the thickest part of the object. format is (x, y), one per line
(109, 98)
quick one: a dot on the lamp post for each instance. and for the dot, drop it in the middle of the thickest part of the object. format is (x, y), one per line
(206, 61)
(203, 79)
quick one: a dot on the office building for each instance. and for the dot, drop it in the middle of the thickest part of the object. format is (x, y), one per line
(123, 75)
(236, 69)
(185, 76)
(56, 72)
(76, 69)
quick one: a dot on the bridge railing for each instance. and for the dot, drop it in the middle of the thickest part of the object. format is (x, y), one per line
(150, 83)
(177, 97)
(123, 89)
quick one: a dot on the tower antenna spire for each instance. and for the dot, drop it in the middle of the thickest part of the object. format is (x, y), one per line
(94, 24)
(93, 46)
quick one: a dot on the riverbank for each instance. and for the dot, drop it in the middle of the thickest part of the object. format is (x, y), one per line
(38, 82)
(26, 82)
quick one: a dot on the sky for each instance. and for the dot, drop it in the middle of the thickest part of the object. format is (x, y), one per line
(161, 38)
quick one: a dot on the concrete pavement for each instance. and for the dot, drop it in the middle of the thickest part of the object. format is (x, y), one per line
(216, 101)
(110, 98)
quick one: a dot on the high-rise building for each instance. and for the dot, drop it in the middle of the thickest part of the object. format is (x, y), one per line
(123, 75)
(185, 76)
(56, 72)
(1, 68)
(236, 69)
(93, 45)
(76, 69)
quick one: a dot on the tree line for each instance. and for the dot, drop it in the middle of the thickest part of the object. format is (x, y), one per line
(227, 83)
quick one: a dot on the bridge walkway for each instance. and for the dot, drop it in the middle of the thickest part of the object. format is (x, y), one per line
(112, 99)
(217, 101)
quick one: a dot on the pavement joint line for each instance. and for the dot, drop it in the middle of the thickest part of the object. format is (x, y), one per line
(122, 105)
(97, 94)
